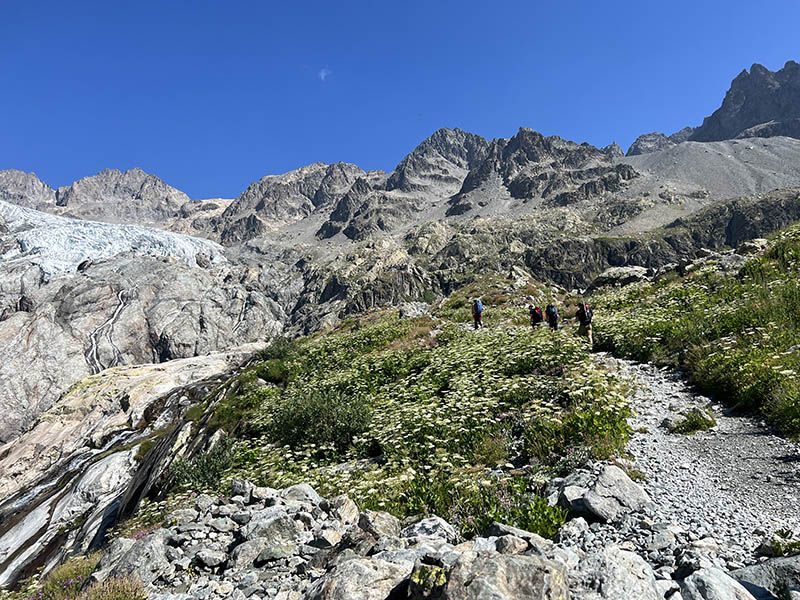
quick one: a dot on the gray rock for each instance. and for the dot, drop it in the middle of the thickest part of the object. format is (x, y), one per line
(772, 574)
(360, 579)
(712, 584)
(211, 558)
(506, 577)
(301, 493)
(145, 560)
(619, 276)
(754, 246)
(614, 494)
(612, 573)
(431, 527)
(344, 509)
(379, 524)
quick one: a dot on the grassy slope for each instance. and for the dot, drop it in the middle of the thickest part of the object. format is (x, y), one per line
(734, 335)
(427, 416)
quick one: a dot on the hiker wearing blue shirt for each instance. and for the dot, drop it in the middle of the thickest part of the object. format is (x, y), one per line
(477, 313)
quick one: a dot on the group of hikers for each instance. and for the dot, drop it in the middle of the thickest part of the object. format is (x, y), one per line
(550, 315)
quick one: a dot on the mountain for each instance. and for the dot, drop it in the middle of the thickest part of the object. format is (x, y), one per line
(759, 103)
(114, 196)
(653, 142)
(278, 200)
(26, 189)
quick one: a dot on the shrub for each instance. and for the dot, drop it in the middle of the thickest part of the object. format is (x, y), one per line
(694, 421)
(122, 588)
(320, 417)
(204, 471)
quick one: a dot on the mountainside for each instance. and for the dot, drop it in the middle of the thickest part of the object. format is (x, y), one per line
(136, 359)
(25, 189)
(759, 103)
(121, 197)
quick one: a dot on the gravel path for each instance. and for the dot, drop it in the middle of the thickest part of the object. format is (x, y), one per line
(736, 483)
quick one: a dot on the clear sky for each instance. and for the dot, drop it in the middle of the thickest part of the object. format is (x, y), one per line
(210, 96)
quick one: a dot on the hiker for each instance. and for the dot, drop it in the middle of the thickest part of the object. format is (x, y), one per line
(551, 314)
(477, 313)
(536, 315)
(584, 316)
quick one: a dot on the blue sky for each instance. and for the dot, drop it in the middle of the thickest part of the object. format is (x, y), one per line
(210, 96)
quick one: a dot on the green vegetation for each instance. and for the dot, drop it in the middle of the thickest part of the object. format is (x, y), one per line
(694, 421)
(65, 581)
(785, 543)
(205, 470)
(424, 415)
(736, 336)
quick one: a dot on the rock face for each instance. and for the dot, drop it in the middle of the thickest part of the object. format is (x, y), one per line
(613, 150)
(121, 197)
(78, 297)
(278, 200)
(649, 142)
(530, 166)
(61, 482)
(25, 189)
(759, 103)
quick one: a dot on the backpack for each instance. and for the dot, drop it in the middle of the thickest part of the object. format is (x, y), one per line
(551, 311)
(477, 307)
(538, 311)
(585, 314)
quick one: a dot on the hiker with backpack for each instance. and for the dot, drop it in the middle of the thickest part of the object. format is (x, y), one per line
(551, 314)
(584, 316)
(477, 313)
(536, 315)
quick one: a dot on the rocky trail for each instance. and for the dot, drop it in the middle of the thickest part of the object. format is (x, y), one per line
(735, 484)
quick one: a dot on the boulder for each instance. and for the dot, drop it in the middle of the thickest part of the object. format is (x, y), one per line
(506, 577)
(614, 494)
(754, 246)
(360, 579)
(613, 574)
(145, 560)
(713, 584)
(411, 310)
(434, 527)
(379, 524)
(771, 574)
(619, 276)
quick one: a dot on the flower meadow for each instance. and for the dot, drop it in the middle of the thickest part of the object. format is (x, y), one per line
(427, 416)
(736, 336)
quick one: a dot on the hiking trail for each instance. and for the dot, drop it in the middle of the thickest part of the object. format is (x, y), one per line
(736, 483)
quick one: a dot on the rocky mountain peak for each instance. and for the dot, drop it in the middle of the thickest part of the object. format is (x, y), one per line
(25, 189)
(759, 103)
(439, 162)
(613, 150)
(115, 196)
(276, 200)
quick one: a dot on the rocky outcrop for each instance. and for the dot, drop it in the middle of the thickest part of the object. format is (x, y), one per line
(277, 200)
(649, 142)
(25, 189)
(759, 103)
(613, 150)
(114, 196)
(530, 166)
(439, 164)
(62, 482)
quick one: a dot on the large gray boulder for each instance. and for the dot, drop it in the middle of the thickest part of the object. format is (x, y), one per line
(619, 276)
(713, 584)
(613, 574)
(605, 497)
(360, 579)
(506, 577)
(773, 574)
